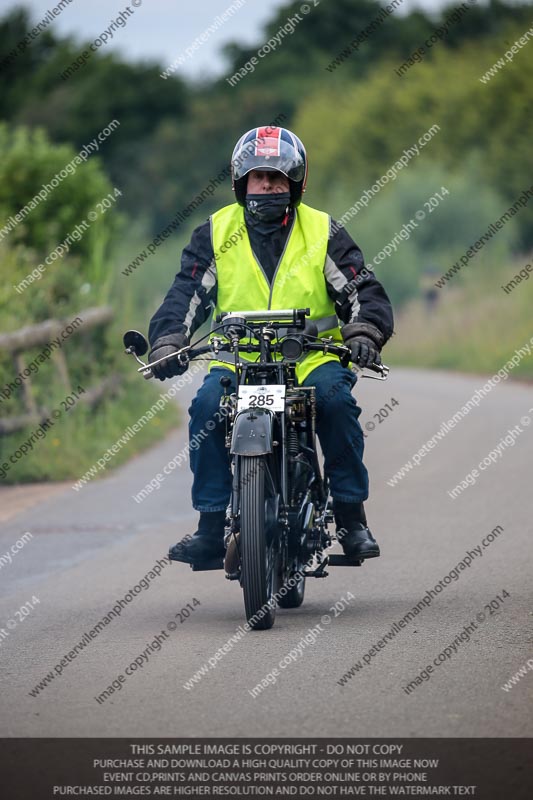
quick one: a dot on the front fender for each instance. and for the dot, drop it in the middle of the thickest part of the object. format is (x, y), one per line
(252, 433)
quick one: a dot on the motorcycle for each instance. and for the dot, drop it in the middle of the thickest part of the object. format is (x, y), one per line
(276, 533)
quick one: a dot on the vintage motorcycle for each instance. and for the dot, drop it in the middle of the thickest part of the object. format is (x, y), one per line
(276, 523)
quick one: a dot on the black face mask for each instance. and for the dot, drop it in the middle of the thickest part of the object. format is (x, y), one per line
(268, 207)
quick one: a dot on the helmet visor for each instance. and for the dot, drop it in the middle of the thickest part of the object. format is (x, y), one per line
(268, 153)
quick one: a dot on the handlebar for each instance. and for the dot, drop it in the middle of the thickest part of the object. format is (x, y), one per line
(323, 346)
(342, 350)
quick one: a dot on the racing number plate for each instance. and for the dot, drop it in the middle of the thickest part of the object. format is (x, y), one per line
(271, 396)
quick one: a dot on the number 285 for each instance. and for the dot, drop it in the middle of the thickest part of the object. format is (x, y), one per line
(261, 400)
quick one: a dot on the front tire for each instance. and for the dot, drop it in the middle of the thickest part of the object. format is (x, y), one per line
(258, 558)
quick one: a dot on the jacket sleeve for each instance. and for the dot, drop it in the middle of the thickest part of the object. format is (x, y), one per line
(357, 293)
(192, 296)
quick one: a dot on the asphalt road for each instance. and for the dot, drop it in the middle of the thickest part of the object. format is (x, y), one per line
(89, 548)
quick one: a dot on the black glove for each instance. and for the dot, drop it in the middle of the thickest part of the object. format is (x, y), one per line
(365, 342)
(165, 346)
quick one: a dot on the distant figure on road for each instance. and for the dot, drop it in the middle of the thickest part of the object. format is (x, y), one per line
(270, 251)
(430, 293)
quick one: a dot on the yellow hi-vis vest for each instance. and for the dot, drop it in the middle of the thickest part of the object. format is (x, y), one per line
(298, 281)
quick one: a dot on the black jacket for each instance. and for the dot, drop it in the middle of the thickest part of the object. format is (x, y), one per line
(192, 296)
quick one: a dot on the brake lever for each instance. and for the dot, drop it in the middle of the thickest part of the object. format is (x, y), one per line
(146, 369)
(164, 358)
(383, 369)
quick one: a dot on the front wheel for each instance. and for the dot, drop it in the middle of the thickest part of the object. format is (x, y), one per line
(259, 555)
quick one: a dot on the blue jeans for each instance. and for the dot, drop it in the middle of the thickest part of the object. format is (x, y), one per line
(338, 429)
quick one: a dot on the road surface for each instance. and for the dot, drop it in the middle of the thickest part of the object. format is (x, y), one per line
(90, 548)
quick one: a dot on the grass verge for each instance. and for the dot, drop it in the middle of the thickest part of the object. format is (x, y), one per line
(474, 327)
(81, 436)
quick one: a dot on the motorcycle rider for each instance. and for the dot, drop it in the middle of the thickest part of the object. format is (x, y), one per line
(269, 250)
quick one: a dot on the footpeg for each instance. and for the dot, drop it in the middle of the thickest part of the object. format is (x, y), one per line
(338, 560)
(203, 566)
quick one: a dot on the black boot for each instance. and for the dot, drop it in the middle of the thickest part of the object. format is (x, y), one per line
(352, 531)
(206, 544)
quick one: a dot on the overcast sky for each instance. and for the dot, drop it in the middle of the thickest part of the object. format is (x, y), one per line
(163, 29)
